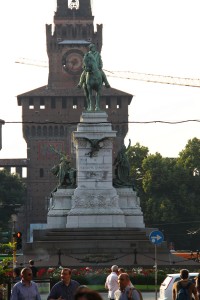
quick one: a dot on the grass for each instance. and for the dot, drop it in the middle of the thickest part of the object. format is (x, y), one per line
(142, 288)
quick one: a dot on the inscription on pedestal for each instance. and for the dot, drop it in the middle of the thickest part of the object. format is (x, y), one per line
(94, 167)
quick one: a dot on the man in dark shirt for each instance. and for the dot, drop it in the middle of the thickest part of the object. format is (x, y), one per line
(33, 268)
(64, 289)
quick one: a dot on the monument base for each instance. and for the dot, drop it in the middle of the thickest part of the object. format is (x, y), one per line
(94, 246)
(86, 208)
(129, 203)
(94, 208)
(99, 221)
(60, 205)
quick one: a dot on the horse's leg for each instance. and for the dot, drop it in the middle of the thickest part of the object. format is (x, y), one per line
(89, 98)
(98, 93)
(97, 102)
(86, 93)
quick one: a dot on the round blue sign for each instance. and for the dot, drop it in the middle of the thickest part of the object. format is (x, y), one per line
(156, 237)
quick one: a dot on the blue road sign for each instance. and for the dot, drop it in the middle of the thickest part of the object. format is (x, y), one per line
(156, 237)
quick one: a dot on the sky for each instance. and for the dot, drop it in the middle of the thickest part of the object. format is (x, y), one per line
(146, 36)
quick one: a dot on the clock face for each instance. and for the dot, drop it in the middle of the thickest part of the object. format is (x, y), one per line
(72, 61)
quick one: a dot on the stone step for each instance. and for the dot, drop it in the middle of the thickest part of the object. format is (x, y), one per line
(83, 241)
(94, 234)
(93, 246)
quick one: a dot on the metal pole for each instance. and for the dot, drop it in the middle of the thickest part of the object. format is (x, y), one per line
(59, 258)
(14, 220)
(156, 274)
(135, 256)
(14, 246)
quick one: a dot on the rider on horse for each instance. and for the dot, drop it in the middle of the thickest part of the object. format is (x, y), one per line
(97, 56)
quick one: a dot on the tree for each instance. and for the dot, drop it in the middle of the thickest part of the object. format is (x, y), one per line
(189, 157)
(12, 196)
(136, 154)
(159, 188)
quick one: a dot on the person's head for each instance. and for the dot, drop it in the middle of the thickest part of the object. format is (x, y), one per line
(82, 289)
(16, 272)
(89, 295)
(92, 47)
(121, 270)
(114, 268)
(184, 274)
(31, 262)
(123, 280)
(66, 275)
(26, 274)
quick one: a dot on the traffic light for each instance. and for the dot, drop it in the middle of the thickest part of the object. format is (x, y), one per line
(19, 240)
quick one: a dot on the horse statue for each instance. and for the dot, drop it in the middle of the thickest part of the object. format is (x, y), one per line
(93, 81)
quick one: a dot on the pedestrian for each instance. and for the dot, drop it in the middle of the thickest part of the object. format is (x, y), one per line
(88, 295)
(122, 270)
(82, 288)
(25, 288)
(197, 284)
(184, 287)
(64, 289)
(16, 274)
(126, 292)
(111, 283)
(33, 268)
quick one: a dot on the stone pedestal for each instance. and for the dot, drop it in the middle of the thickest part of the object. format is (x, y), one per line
(95, 202)
(59, 207)
(129, 203)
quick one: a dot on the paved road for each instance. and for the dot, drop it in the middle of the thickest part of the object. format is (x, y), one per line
(146, 296)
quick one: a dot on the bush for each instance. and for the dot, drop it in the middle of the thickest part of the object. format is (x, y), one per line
(148, 279)
(5, 270)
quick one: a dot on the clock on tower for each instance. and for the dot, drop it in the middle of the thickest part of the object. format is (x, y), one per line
(72, 61)
(73, 4)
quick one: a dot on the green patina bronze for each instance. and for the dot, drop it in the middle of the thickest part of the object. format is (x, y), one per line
(63, 171)
(122, 168)
(92, 77)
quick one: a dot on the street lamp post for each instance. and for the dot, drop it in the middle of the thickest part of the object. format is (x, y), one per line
(59, 257)
(14, 220)
(135, 256)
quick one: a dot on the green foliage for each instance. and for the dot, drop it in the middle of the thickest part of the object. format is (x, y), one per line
(189, 157)
(89, 276)
(6, 248)
(12, 196)
(168, 190)
(90, 279)
(136, 154)
(5, 270)
(147, 280)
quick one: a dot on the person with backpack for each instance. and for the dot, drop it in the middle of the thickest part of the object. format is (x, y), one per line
(197, 282)
(125, 292)
(184, 289)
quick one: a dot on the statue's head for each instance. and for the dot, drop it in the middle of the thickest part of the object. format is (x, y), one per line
(92, 47)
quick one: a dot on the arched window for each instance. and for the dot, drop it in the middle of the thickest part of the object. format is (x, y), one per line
(44, 130)
(33, 131)
(50, 131)
(56, 131)
(61, 131)
(39, 130)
